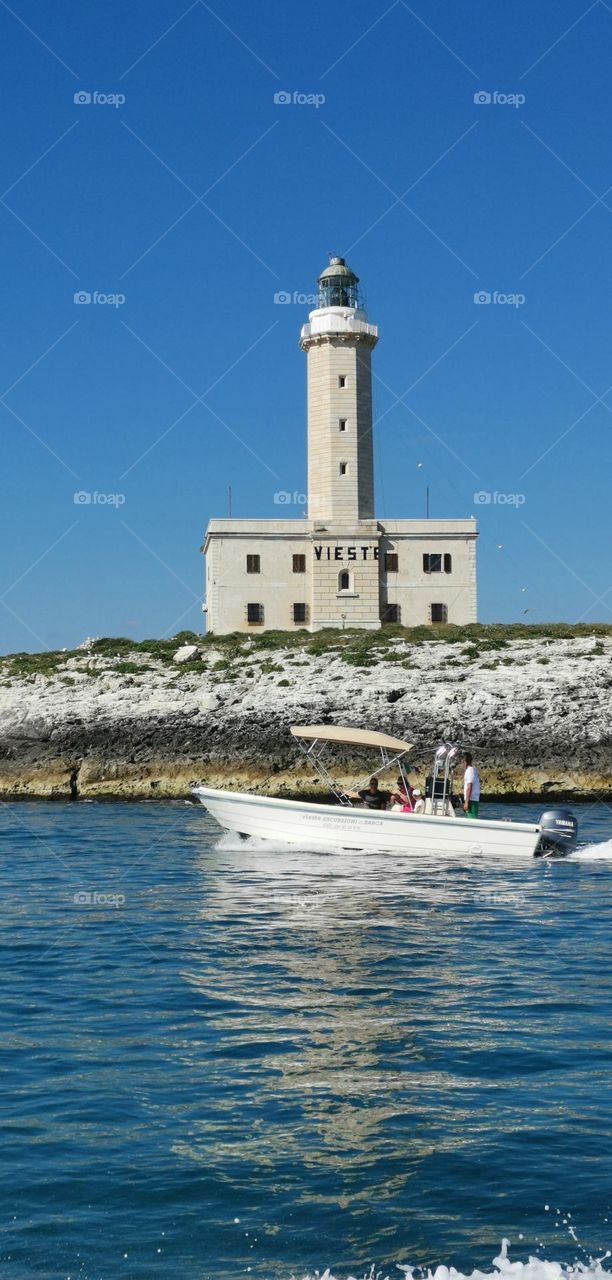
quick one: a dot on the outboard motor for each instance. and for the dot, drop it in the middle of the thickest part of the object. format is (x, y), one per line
(559, 833)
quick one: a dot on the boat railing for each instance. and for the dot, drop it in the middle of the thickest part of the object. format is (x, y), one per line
(444, 763)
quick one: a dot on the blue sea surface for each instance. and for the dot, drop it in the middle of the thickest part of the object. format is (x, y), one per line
(223, 1059)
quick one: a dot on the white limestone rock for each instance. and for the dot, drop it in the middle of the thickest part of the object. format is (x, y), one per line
(185, 653)
(519, 714)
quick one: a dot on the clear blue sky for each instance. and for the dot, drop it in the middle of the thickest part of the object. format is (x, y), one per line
(199, 197)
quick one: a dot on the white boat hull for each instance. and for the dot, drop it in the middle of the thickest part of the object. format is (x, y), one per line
(336, 827)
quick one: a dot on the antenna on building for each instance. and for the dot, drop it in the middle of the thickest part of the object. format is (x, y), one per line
(427, 504)
(229, 501)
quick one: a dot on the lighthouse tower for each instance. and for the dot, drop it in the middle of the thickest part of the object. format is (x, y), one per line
(338, 342)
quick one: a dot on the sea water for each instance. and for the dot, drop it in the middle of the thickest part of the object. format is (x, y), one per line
(225, 1059)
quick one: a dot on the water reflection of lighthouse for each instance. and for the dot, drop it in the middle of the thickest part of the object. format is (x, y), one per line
(313, 961)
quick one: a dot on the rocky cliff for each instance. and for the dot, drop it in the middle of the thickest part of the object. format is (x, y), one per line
(147, 720)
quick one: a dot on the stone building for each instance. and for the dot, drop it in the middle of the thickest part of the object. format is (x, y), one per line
(340, 567)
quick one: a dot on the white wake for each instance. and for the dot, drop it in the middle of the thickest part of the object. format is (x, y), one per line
(502, 1269)
(598, 852)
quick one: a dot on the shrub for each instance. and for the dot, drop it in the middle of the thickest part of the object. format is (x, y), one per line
(107, 645)
(358, 658)
(33, 664)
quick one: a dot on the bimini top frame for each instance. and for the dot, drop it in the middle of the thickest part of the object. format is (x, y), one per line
(313, 741)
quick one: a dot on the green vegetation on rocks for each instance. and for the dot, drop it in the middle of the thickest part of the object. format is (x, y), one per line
(357, 648)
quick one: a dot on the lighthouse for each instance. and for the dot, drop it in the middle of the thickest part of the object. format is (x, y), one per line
(341, 566)
(338, 341)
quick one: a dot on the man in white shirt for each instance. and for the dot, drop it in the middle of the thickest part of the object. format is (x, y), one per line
(471, 788)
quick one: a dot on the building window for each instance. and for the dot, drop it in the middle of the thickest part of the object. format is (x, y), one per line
(391, 561)
(432, 563)
(342, 424)
(343, 466)
(255, 614)
(300, 613)
(253, 564)
(439, 613)
(342, 380)
(299, 564)
(344, 581)
(448, 563)
(391, 613)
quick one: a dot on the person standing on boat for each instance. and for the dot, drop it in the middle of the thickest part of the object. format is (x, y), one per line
(471, 788)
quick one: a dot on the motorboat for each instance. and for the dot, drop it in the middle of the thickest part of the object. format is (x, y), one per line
(346, 823)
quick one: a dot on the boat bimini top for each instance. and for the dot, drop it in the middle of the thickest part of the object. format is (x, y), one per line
(350, 737)
(313, 740)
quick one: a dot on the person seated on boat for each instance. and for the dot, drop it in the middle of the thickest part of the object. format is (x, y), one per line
(418, 803)
(401, 799)
(372, 796)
